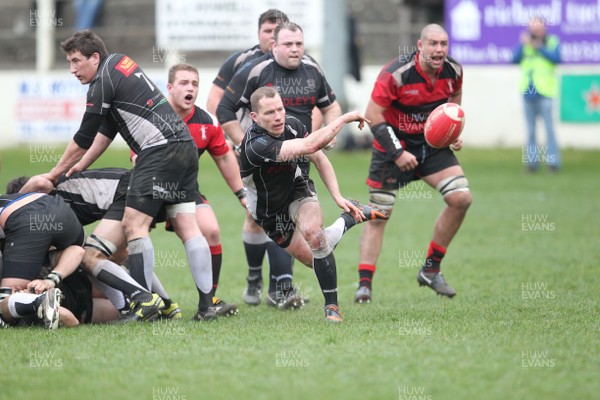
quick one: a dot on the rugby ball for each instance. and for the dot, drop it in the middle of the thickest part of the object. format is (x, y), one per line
(444, 125)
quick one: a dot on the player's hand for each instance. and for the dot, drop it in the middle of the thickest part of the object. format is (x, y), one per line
(243, 202)
(74, 169)
(358, 117)
(49, 177)
(406, 161)
(457, 145)
(40, 286)
(347, 206)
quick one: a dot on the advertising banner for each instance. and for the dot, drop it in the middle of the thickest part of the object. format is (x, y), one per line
(487, 31)
(580, 98)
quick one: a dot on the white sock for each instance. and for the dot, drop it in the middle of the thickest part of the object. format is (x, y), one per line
(198, 254)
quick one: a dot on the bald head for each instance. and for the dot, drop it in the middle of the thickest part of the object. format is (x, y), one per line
(433, 48)
(432, 29)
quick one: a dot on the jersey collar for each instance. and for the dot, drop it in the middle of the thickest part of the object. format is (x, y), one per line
(421, 72)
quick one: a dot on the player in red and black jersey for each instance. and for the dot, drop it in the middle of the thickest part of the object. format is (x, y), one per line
(406, 91)
(208, 136)
(121, 99)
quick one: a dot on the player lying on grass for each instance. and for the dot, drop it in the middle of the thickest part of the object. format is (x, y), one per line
(99, 195)
(31, 224)
(74, 301)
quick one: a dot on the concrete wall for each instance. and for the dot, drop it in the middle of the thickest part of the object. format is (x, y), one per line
(490, 98)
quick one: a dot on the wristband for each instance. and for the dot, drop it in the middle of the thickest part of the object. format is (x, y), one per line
(54, 277)
(240, 194)
(385, 135)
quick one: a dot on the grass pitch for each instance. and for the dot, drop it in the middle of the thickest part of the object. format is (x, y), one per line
(524, 324)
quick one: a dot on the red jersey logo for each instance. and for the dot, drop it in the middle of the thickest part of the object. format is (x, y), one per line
(126, 66)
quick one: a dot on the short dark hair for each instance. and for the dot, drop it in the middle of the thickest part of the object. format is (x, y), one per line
(290, 26)
(273, 16)
(260, 93)
(181, 67)
(86, 42)
(16, 184)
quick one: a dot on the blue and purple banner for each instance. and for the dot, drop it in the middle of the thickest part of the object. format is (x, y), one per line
(487, 31)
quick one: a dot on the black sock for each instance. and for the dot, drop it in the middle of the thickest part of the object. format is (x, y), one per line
(119, 284)
(27, 309)
(365, 274)
(280, 267)
(435, 253)
(204, 301)
(326, 275)
(167, 302)
(217, 260)
(254, 256)
(349, 221)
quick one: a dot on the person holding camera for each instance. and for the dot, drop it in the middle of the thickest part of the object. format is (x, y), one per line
(537, 54)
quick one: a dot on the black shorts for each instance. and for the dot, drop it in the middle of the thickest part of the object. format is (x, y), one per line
(32, 229)
(385, 174)
(281, 227)
(117, 208)
(77, 291)
(201, 199)
(164, 175)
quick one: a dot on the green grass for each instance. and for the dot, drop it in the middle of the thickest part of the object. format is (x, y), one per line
(523, 292)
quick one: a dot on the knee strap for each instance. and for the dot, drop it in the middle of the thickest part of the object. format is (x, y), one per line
(452, 184)
(383, 199)
(104, 246)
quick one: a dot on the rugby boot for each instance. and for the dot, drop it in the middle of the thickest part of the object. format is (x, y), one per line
(370, 212)
(436, 282)
(171, 312)
(223, 309)
(332, 314)
(49, 310)
(289, 300)
(208, 315)
(253, 291)
(363, 295)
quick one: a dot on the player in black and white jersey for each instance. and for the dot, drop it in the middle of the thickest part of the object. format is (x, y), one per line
(280, 197)
(90, 193)
(301, 85)
(256, 243)
(30, 225)
(298, 78)
(121, 99)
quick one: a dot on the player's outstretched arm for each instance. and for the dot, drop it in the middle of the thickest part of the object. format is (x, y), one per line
(320, 138)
